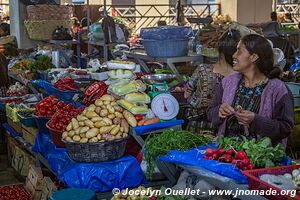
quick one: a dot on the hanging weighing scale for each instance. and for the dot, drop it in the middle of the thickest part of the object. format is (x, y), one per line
(165, 106)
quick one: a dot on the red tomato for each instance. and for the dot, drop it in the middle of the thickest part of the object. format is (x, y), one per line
(69, 107)
(60, 104)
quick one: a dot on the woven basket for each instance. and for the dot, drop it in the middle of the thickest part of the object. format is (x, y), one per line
(49, 12)
(96, 151)
(42, 30)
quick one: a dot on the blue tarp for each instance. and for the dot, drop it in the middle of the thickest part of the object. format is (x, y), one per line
(194, 158)
(100, 177)
(140, 130)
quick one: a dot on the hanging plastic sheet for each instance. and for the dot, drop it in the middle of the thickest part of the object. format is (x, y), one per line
(194, 158)
(100, 177)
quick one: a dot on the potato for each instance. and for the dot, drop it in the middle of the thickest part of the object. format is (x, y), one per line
(103, 106)
(71, 133)
(122, 129)
(76, 138)
(110, 109)
(81, 124)
(125, 135)
(91, 114)
(84, 140)
(84, 129)
(100, 124)
(111, 116)
(117, 120)
(119, 115)
(107, 97)
(81, 118)
(115, 130)
(64, 135)
(118, 108)
(94, 139)
(69, 127)
(95, 119)
(92, 133)
(119, 135)
(106, 129)
(82, 135)
(89, 123)
(75, 124)
(98, 110)
(68, 139)
(130, 118)
(107, 121)
(98, 102)
(106, 103)
(77, 131)
(113, 103)
(104, 113)
(125, 125)
(92, 107)
(84, 111)
(99, 136)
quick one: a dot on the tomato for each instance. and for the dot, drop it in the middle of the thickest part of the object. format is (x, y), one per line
(58, 127)
(42, 111)
(138, 117)
(54, 101)
(69, 107)
(49, 112)
(60, 104)
(48, 100)
(42, 105)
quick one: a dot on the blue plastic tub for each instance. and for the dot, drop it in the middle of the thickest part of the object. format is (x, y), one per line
(74, 194)
(41, 124)
(27, 121)
(166, 48)
(167, 32)
(65, 95)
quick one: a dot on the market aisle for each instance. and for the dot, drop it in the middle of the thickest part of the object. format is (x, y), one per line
(7, 176)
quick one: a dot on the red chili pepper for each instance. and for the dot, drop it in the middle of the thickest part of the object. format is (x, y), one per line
(138, 117)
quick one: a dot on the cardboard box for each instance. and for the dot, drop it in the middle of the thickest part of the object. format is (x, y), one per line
(48, 188)
(21, 161)
(29, 134)
(11, 148)
(36, 194)
(17, 126)
(35, 176)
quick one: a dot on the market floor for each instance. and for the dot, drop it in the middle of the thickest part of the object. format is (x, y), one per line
(7, 176)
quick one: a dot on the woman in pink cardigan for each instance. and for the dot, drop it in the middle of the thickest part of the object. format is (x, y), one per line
(253, 102)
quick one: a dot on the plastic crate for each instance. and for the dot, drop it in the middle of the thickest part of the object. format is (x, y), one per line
(41, 124)
(297, 116)
(256, 184)
(65, 95)
(56, 136)
(27, 121)
(166, 48)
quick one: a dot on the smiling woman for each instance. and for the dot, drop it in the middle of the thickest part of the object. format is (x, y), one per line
(253, 102)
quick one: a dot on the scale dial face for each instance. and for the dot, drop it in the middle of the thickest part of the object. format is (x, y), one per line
(165, 106)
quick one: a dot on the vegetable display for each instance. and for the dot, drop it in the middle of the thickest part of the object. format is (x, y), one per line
(161, 144)
(100, 122)
(94, 92)
(42, 63)
(17, 89)
(48, 106)
(261, 152)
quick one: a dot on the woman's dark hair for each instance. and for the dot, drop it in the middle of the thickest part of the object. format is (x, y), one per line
(274, 16)
(227, 45)
(259, 45)
(5, 27)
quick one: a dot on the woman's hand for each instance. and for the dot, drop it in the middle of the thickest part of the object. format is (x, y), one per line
(245, 117)
(225, 110)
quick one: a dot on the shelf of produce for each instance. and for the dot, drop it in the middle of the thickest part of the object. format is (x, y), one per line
(221, 182)
(23, 81)
(142, 58)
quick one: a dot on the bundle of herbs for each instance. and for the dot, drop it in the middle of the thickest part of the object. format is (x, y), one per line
(261, 152)
(161, 144)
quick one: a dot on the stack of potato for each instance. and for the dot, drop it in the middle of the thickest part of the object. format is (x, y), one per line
(103, 121)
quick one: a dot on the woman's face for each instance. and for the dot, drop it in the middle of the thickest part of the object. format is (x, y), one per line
(242, 59)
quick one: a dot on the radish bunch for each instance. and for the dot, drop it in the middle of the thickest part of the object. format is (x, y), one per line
(239, 159)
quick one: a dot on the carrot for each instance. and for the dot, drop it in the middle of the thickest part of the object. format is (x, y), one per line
(141, 123)
(152, 121)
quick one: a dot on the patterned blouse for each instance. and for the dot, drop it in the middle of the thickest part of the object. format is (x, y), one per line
(248, 99)
(202, 85)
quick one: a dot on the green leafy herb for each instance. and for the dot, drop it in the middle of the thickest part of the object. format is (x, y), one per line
(161, 144)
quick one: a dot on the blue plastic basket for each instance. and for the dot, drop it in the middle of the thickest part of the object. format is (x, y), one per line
(27, 121)
(41, 124)
(65, 95)
(166, 48)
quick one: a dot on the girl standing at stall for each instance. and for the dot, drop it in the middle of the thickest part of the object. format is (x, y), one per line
(253, 102)
(201, 87)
